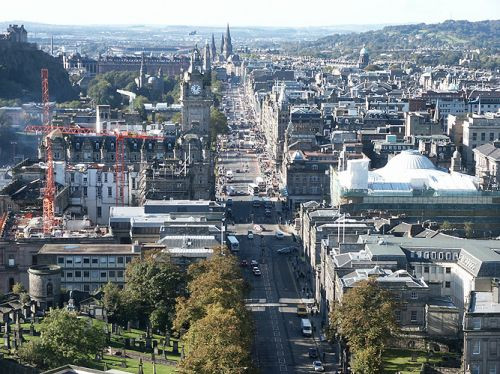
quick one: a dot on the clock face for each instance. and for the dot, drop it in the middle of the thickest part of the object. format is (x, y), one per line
(196, 89)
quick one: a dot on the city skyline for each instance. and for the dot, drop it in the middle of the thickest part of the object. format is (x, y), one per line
(278, 13)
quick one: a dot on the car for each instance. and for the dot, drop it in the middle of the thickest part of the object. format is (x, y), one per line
(284, 250)
(254, 263)
(279, 234)
(267, 213)
(257, 272)
(250, 234)
(244, 263)
(313, 353)
(318, 366)
(301, 310)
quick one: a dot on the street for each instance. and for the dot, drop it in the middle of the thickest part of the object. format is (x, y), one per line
(279, 344)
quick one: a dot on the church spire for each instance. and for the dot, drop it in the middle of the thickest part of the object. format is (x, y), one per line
(213, 48)
(142, 72)
(228, 45)
(206, 58)
(222, 44)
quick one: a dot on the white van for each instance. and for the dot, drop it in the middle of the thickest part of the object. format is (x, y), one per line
(306, 327)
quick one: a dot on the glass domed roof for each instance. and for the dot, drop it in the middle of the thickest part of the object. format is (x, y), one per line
(408, 160)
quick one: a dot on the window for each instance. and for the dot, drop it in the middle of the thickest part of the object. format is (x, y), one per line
(448, 270)
(493, 369)
(99, 177)
(447, 284)
(12, 260)
(50, 289)
(69, 261)
(120, 260)
(426, 255)
(493, 347)
(99, 191)
(95, 274)
(60, 260)
(433, 255)
(119, 274)
(103, 260)
(99, 211)
(476, 323)
(474, 136)
(448, 256)
(441, 255)
(128, 259)
(86, 260)
(483, 136)
(475, 368)
(103, 274)
(413, 316)
(95, 260)
(78, 274)
(86, 273)
(111, 260)
(111, 273)
(85, 191)
(476, 347)
(426, 269)
(397, 315)
(86, 288)
(110, 192)
(69, 274)
(492, 136)
(414, 295)
(105, 177)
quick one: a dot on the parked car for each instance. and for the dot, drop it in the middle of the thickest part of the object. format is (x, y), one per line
(254, 263)
(279, 234)
(313, 353)
(256, 271)
(244, 263)
(284, 250)
(318, 366)
(250, 234)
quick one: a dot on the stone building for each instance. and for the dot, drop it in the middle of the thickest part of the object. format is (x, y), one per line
(45, 285)
(487, 158)
(15, 34)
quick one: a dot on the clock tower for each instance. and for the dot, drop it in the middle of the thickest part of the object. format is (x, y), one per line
(196, 98)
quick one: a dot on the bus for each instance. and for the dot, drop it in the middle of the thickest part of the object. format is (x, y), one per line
(253, 189)
(259, 181)
(233, 243)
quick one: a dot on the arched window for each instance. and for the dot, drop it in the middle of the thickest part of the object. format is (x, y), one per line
(50, 289)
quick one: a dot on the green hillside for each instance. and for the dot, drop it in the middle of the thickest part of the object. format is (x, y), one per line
(399, 40)
(20, 66)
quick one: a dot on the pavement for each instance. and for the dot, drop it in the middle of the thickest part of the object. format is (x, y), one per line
(279, 345)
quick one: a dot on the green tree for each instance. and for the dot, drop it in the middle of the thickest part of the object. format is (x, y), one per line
(18, 288)
(469, 229)
(218, 343)
(445, 226)
(367, 361)
(373, 67)
(218, 124)
(64, 339)
(153, 284)
(176, 117)
(101, 93)
(139, 102)
(365, 318)
(113, 302)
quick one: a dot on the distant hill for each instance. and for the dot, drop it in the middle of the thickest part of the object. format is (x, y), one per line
(20, 66)
(456, 35)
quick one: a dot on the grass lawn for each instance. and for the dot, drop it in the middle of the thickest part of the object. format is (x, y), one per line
(400, 360)
(113, 362)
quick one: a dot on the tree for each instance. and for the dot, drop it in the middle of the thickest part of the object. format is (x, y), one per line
(445, 226)
(365, 318)
(469, 230)
(373, 67)
(101, 92)
(18, 288)
(139, 102)
(65, 339)
(367, 361)
(176, 117)
(153, 284)
(218, 124)
(112, 300)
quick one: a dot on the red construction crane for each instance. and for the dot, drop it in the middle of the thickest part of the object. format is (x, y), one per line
(45, 98)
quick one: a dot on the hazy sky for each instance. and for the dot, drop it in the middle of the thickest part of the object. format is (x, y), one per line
(248, 12)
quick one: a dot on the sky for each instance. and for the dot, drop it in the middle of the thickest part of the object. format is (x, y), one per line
(295, 13)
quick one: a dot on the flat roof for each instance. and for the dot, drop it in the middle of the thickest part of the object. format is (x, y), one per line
(482, 302)
(68, 249)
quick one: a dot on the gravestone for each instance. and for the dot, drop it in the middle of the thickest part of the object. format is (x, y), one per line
(155, 347)
(32, 329)
(14, 344)
(175, 347)
(126, 343)
(147, 343)
(6, 340)
(132, 342)
(167, 340)
(128, 325)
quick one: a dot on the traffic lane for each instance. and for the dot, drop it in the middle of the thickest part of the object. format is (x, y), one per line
(286, 285)
(270, 350)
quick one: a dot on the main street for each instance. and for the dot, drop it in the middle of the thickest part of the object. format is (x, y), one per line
(279, 345)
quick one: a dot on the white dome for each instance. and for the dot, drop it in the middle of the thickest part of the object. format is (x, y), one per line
(408, 160)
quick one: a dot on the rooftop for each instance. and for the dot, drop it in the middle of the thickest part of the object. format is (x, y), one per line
(102, 249)
(483, 302)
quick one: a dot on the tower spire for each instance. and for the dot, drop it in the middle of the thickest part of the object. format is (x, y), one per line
(213, 48)
(206, 58)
